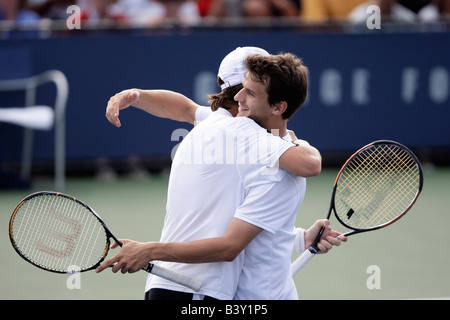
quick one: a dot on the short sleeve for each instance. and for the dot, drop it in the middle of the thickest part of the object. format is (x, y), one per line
(202, 113)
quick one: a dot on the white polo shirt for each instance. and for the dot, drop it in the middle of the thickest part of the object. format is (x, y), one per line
(266, 272)
(215, 167)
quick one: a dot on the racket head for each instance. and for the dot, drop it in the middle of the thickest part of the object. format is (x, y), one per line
(58, 233)
(376, 186)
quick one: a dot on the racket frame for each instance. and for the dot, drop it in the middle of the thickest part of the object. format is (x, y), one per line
(308, 254)
(336, 183)
(192, 283)
(109, 234)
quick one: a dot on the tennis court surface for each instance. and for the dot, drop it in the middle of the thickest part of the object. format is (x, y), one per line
(408, 260)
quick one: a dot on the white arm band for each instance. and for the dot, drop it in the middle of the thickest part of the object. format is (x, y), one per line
(299, 242)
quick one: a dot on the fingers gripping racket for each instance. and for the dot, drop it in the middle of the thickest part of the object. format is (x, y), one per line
(375, 187)
(61, 234)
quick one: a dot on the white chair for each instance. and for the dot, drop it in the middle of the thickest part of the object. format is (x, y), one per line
(34, 117)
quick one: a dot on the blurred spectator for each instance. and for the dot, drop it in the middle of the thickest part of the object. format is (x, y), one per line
(16, 10)
(405, 10)
(51, 9)
(186, 11)
(100, 10)
(142, 13)
(223, 8)
(204, 6)
(422, 10)
(269, 8)
(324, 10)
(249, 8)
(137, 13)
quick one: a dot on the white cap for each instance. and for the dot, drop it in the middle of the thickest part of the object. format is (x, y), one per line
(232, 67)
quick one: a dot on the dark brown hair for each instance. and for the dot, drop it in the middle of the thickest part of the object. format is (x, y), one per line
(285, 77)
(225, 98)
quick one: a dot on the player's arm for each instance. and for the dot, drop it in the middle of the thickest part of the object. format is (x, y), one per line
(302, 160)
(239, 233)
(160, 103)
(135, 255)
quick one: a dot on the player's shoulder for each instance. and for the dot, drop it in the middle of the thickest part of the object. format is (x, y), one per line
(202, 113)
(219, 115)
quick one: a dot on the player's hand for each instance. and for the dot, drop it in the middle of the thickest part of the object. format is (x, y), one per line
(131, 258)
(120, 101)
(328, 238)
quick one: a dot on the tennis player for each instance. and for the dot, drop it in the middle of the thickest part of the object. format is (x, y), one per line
(266, 203)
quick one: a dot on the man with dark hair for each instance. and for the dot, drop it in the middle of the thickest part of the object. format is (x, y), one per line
(226, 193)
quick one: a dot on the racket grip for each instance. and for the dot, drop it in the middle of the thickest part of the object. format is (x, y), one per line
(301, 261)
(194, 284)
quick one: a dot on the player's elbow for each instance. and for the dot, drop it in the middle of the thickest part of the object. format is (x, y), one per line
(231, 253)
(302, 161)
(312, 168)
(316, 167)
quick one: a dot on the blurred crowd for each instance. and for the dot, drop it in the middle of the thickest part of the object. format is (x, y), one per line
(150, 12)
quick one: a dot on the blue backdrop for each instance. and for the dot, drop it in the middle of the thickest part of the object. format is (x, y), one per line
(363, 87)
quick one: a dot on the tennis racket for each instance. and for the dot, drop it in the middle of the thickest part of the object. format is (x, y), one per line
(377, 186)
(61, 234)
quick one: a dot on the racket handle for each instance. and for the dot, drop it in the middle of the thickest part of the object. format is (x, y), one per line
(176, 277)
(302, 260)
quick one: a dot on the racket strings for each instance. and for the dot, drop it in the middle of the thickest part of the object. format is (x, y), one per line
(58, 233)
(376, 187)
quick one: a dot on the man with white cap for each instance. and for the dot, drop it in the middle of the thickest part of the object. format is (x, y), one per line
(169, 104)
(175, 106)
(215, 209)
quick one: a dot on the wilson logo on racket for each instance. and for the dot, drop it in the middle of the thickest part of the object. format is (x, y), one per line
(56, 240)
(61, 234)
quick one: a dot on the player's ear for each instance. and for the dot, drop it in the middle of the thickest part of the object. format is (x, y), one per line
(279, 107)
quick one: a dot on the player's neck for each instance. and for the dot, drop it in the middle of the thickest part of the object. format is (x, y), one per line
(277, 127)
